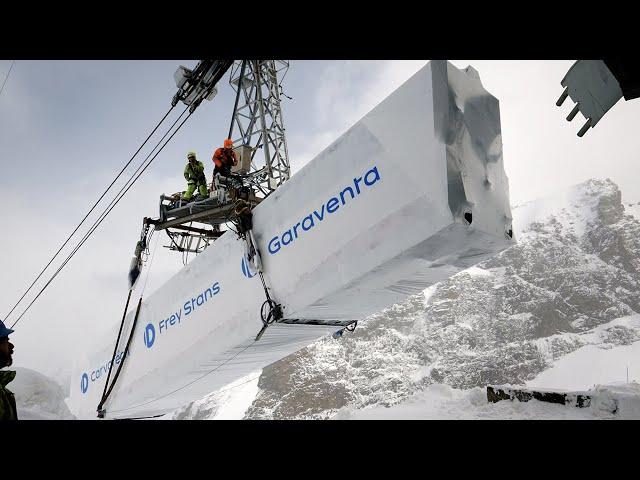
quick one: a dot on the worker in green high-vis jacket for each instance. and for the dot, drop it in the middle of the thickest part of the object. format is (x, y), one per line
(194, 174)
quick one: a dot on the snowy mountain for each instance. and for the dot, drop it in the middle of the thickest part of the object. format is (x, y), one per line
(571, 284)
(38, 397)
(633, 209)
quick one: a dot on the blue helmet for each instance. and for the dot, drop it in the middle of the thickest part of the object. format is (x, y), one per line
(4, 331)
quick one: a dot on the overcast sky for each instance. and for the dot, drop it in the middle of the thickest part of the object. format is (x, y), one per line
(66, 128)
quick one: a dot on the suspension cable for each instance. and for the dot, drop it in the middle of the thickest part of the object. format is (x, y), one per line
(7, 77)
(108, 390)
(115, 349)
(202, 95)
(107, 387)
(106, 212)
(88, 213)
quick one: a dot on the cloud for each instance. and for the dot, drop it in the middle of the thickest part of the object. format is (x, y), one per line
(17, 107)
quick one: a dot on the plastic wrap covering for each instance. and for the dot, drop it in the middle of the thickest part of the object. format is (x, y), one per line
(411, 194)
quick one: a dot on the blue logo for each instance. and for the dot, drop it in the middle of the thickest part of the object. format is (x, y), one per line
(149, 335)
(314, 218)
(84, 383)
(246, 269)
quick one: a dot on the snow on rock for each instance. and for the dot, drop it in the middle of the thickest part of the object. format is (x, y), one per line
(574, 209)
(633, 209)
(615, 358)
(438, 401)
(441, 402)
(618, 400)
(38, 397)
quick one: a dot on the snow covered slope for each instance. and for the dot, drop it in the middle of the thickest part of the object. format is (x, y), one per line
(565, 287)
(441, 402)
(609, 352)
(38, 397)
(633, 209)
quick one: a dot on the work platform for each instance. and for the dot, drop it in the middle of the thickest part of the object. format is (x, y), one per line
(222, 206)
(208, 211)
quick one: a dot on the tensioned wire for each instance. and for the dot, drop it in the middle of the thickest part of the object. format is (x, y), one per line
(97, 223)
(87, 215)
(123, 191)
(7, 76)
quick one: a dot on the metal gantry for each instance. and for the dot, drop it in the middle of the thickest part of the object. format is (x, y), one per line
(258, 123)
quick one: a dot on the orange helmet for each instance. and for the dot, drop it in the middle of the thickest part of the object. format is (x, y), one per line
(228, 143)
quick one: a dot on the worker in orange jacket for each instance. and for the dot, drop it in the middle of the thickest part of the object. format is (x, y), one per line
(224, 158)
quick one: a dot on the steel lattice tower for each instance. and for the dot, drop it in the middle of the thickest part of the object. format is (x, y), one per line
(258, 122)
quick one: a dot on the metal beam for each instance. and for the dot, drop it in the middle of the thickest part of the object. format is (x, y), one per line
(200, 216)
(202, 231)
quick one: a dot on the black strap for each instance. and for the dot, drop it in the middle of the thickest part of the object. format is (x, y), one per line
(115, 348)
(105, 396)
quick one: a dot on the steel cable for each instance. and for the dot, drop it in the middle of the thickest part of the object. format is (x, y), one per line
(106, 212)
(88, 213)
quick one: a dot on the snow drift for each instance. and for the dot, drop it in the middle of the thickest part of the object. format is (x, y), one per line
(38, 397)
